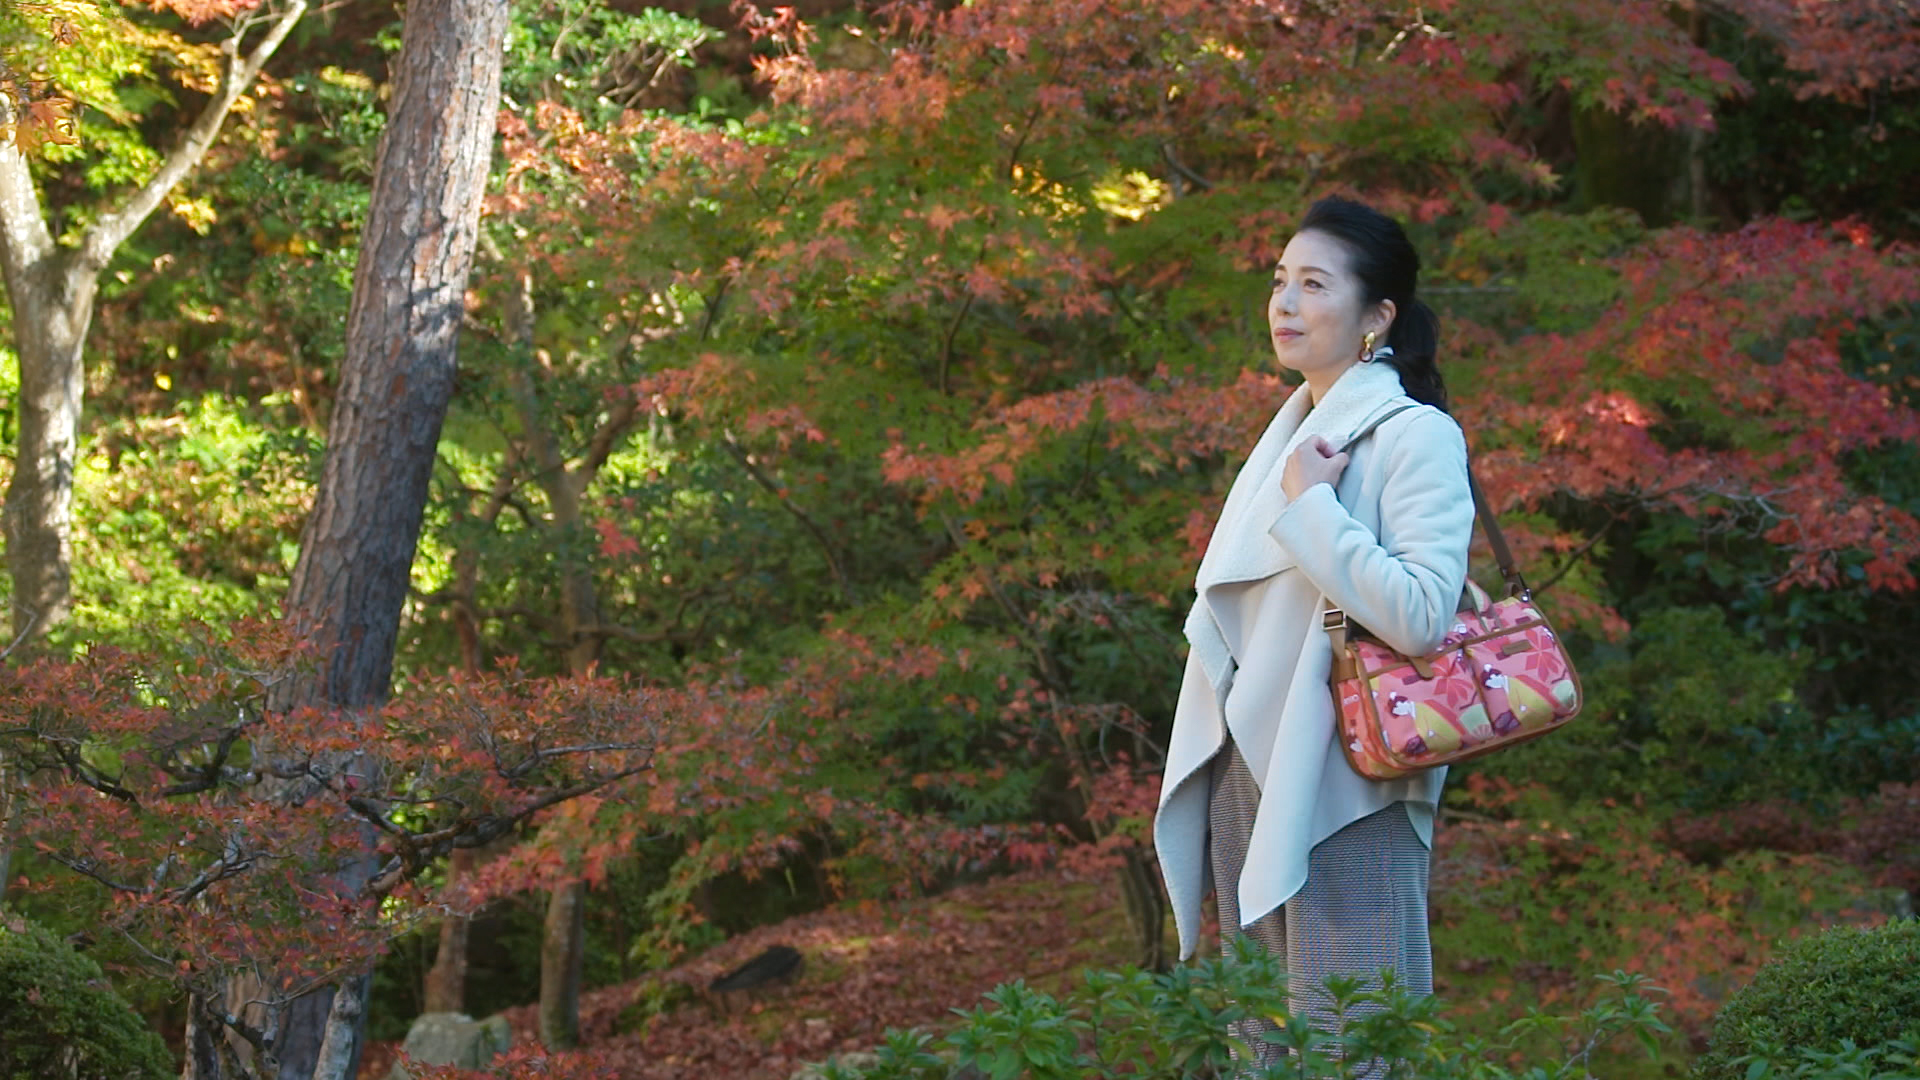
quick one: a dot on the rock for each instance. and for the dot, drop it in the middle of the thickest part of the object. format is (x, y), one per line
(453, 1039)
(775, 964)
(854, 1059)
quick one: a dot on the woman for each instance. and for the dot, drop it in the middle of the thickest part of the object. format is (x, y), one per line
(1324, 868)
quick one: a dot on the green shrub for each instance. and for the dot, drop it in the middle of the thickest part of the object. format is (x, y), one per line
(1897, 1060)
(61, 1019)
(1845, 985)
(1137, 1024)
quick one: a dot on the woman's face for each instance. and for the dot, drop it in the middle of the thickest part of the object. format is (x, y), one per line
(1318, 313)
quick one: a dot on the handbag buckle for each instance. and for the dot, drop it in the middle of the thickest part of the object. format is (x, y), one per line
(1333, 619)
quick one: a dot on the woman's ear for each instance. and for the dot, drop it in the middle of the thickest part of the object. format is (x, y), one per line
(1380, 319)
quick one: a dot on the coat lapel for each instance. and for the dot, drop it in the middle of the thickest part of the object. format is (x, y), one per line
(1241, 548)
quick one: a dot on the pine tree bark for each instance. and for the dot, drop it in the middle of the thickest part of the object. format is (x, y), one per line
(403, 322)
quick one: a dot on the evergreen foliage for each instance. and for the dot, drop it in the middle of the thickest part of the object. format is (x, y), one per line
(1837, 990)
(1130, 1023)
(62, 1020)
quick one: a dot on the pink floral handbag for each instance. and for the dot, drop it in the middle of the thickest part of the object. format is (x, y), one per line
(1500, 677)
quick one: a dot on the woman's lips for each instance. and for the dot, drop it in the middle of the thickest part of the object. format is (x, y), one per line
(1285, 335)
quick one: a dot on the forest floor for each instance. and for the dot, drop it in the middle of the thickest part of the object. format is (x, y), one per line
(868, 967)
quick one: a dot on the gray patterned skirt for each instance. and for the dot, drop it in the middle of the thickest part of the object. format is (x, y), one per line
(1363, 907)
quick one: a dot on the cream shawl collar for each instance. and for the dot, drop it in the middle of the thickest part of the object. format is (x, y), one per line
(1242, 548)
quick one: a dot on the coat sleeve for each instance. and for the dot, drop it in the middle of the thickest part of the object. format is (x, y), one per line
(1404, 585)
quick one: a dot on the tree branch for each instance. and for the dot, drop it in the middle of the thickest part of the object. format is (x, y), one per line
(215, 874)
(1577, 555)
(32, 622)
(619, 419)
(206, 777)
(85, 868)
(24, 238)
(820, 535)
(111, 230)
(1050, 673)
(396, 871)
(1178, 166)
(946, 342)
(78, 769)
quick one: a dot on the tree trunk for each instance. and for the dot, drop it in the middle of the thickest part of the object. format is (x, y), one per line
(446, 984)
(8, 800)
(562, 955)
(1146, 908)
(203, 1044)
(356, 551)
(53, 303)
(1622, 162)
(340, 1047)
(563, 949)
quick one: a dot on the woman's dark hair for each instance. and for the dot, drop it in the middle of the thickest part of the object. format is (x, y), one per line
(1388, 268)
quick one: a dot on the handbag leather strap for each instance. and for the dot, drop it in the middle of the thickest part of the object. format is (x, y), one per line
(1502, 554)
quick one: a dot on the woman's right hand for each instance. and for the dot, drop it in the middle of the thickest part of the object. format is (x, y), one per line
(1312, 462)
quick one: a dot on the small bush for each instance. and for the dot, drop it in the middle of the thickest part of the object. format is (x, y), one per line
(1859, 987)
(1173, 1026)
(62, 1020)
(1897, 1060)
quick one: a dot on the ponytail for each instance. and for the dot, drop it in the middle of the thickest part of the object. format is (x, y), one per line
(1415, 338)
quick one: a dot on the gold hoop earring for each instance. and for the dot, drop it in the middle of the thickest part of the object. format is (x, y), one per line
(1366, 348)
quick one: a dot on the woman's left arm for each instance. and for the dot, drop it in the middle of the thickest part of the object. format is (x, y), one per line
(1405, 585)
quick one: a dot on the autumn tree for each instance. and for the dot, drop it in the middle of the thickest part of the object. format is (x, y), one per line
(357, 549)
(1853, 52)
(210, 882)
(52, 256)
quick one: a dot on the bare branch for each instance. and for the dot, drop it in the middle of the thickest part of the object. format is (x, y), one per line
(111, 230)
(397, 871)
(207, 776)
(619, 419)
(1173, 162)
(217, 873)
(78, 769)
(24, 237)
(87, 867)
(32, 621)
(740, 455)
(953, 330)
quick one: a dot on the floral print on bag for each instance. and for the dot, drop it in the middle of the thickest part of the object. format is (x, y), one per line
(1500, 677)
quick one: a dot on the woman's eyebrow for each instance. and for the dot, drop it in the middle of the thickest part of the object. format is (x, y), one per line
(1278, 270)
